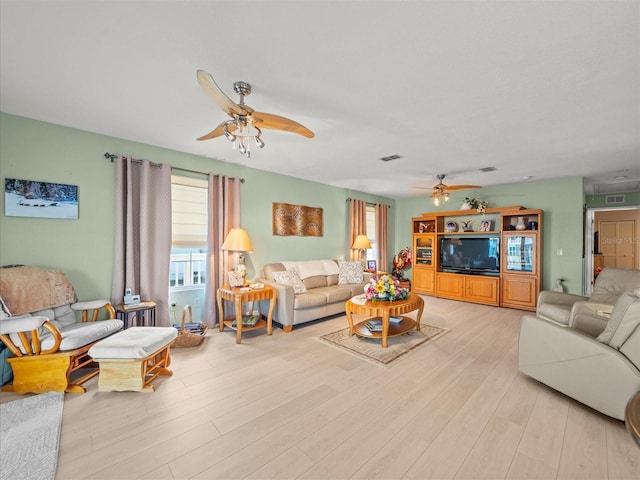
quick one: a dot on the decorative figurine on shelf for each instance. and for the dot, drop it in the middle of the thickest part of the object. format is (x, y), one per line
(401, 262)
(466, 226)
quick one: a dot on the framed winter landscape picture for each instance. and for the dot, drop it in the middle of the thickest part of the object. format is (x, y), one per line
(29, 198)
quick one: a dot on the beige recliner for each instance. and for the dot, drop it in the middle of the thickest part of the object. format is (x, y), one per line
(598, 368)
(560, 307)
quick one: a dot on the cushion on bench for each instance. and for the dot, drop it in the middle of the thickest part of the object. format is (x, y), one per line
(135, 342)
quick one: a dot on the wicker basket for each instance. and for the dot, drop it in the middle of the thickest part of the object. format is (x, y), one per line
(189, 339)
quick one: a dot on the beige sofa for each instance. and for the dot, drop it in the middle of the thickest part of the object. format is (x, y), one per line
(562, 308)
(321, 288)
(599, 368)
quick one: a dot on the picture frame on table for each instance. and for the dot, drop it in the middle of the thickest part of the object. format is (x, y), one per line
(485, 226)
(371, 266)
(236, 279)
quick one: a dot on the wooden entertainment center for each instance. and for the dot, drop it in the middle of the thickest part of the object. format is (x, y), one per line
(491, 257)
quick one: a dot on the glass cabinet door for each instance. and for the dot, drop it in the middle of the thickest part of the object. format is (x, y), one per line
(520, 253)
(424, 250)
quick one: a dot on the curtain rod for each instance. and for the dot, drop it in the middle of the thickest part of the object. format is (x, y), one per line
(113, 156)
(368, 203)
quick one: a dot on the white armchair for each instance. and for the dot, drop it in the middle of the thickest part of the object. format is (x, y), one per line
(598, 366)
(560, 307)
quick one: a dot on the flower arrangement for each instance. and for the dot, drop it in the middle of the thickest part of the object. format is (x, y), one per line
(385, 288)
(477, 204)
(401, 262)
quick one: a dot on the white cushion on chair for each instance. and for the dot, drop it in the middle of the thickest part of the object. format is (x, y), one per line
(135, 342)
(81, 334)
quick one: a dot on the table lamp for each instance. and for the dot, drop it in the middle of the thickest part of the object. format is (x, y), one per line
(361, 243)
(238, 241)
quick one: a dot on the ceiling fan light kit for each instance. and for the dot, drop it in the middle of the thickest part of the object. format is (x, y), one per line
(244, 132)
(243, 127)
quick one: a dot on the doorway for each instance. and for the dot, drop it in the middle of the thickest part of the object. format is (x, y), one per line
(612, 240)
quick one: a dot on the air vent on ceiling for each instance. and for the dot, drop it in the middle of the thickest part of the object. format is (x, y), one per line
(614, 199)
(390, 157)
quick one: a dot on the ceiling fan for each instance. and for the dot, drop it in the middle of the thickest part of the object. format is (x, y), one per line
(245, 124)
(441, 191)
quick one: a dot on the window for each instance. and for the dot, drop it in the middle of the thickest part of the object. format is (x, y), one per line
(371, 232)
(188, 233)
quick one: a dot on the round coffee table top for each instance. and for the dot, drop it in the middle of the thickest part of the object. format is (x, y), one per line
(379, 308)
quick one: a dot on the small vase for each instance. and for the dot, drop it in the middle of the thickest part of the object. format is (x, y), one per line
(521, 225)
(466, 206)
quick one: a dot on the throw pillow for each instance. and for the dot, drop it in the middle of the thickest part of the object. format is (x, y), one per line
(350, 272)
(625, 317)
(290, 277)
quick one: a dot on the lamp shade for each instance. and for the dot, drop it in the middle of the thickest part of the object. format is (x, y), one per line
(361, 243)
(237, 241)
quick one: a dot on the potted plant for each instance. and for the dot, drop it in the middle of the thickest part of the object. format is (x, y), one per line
(475, 203)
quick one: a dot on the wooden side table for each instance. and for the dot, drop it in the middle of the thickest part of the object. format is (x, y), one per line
(144, 310)
(239, 296)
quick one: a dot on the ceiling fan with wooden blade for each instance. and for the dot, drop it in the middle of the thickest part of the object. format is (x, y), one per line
(441, 191)
(245, 123)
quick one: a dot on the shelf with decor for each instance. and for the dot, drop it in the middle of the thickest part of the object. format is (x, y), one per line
(521, 258)
(487, 272)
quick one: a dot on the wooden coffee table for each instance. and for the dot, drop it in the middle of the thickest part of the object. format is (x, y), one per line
(384, 310)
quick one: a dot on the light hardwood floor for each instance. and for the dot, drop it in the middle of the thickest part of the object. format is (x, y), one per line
(290, 406)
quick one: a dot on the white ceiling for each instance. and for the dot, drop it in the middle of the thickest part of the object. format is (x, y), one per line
(534, 88)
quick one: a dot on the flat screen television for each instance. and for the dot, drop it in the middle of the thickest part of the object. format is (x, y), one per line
(470, 254)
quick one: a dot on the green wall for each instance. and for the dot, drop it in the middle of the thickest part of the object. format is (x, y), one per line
(631, 199)
(83, 248)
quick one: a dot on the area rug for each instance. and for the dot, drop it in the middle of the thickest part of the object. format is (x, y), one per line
(371, 349)
(30, 437)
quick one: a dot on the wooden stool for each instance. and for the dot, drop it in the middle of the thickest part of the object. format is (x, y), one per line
(132, 359)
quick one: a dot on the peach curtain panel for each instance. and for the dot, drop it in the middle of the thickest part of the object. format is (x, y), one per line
(357, 224)
(143, 233)
(224, 214)
(382, 236)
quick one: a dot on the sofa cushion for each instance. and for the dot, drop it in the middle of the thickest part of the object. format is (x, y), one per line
(315, 282)
(312, 268)
(309, 300)
(625, 318)
(290, 277)
(334, 293)
(332, 280)
(350, 272)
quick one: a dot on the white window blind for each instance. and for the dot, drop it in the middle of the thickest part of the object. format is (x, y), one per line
(188, 212)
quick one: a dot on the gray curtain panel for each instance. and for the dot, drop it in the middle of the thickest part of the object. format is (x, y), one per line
(224, 214)
(143, 233)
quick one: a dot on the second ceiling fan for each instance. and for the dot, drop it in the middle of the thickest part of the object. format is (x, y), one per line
(441, 191)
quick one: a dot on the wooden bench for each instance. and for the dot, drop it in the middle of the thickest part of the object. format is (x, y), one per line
(130, 360)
